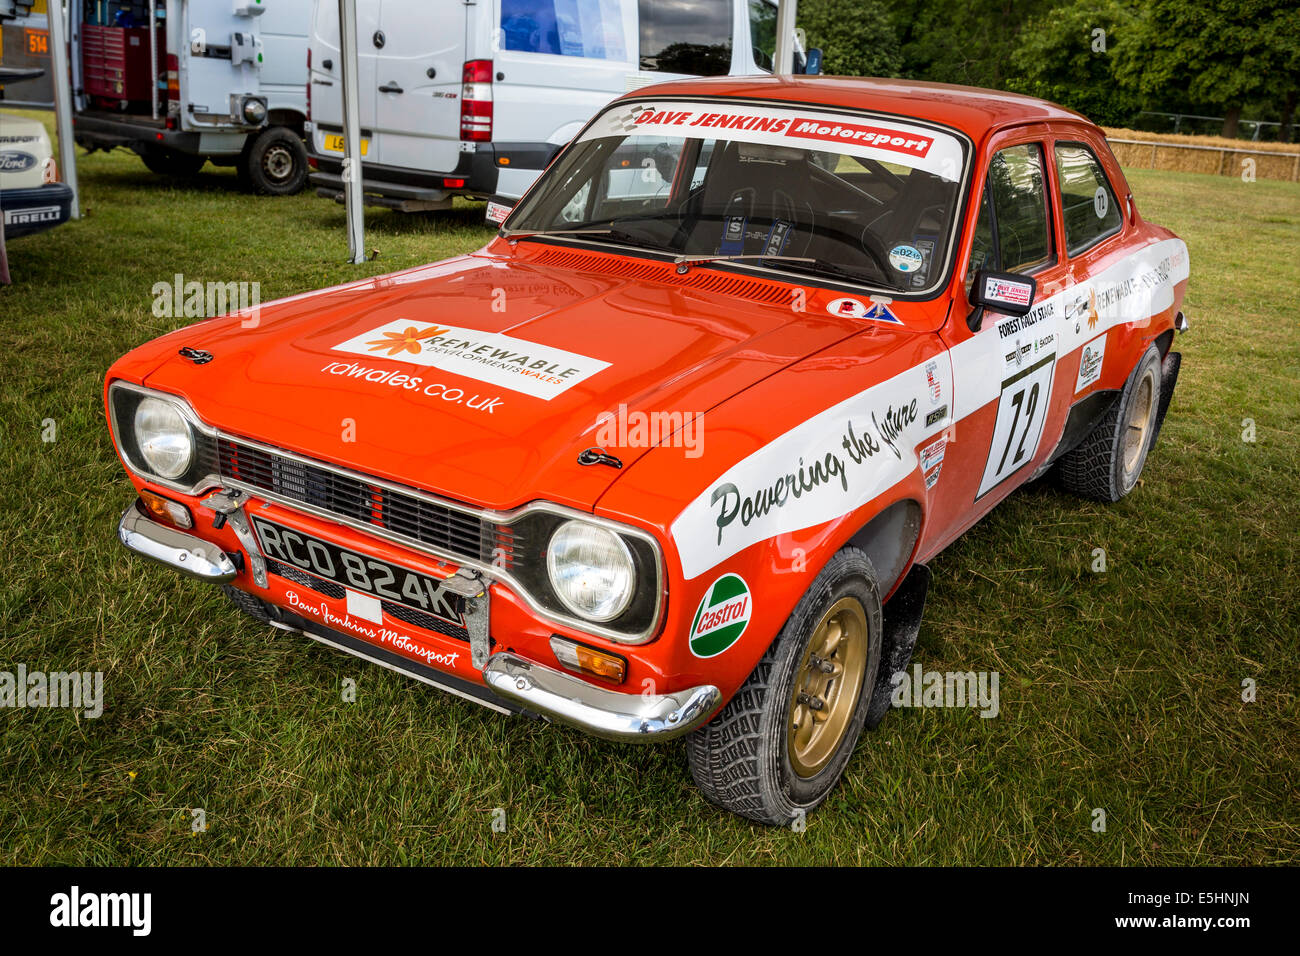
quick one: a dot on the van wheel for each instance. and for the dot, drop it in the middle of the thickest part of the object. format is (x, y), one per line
(1107, 464)
(782, 742)
(168, 162)
(275, 162)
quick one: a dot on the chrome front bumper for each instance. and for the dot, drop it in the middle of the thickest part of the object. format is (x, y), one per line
(597, 710)
(528, 685)
(176, 549)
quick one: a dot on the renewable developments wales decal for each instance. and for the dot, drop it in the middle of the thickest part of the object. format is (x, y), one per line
(538, 370)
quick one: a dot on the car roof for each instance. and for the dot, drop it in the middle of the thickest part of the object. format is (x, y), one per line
(973, 111)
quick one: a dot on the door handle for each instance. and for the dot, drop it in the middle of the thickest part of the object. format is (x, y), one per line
(390, 88)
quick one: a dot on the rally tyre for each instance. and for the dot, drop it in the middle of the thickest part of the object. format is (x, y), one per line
(275, 162)
(168, 162)
(782, 742)
(1106, 465)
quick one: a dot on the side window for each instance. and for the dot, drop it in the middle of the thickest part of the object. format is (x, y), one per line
(592, 29)
(762, 32)
(692, 38)
(1019, 191)
(1013, 232)
(1088, 203)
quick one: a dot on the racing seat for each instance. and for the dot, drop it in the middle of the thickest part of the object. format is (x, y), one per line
(919, 208)
(756, 199)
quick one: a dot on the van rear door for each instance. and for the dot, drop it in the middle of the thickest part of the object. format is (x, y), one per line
(220, 57)
(284, 43)
(419, 55)
(327, 79)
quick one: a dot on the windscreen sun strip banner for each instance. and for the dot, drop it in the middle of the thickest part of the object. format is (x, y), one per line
(887, 141)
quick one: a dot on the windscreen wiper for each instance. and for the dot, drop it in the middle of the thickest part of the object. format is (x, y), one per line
(821, 265)
(684, 263)
(618, 235)
(530, 233)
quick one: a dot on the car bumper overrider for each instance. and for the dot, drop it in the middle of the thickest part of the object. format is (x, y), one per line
(516, 683)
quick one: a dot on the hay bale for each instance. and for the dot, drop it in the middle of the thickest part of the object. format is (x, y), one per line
(1212, 155)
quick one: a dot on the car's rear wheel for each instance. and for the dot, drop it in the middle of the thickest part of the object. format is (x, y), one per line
(1106, 465)
(169, 162)
(782, 742)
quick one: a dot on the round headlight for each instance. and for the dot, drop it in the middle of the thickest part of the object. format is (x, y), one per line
(591, 570)
(163, 437)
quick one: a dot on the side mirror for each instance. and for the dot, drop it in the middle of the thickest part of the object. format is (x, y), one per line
(1007, 292)
(813, 63)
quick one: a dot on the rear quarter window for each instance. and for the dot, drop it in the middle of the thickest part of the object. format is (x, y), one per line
(1089, 208)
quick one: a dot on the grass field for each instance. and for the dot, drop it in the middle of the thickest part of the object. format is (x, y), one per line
(1120, 691)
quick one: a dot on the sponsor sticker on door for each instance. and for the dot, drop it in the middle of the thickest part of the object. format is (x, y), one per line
(538, 370)
(1090, 361)
(722, 617)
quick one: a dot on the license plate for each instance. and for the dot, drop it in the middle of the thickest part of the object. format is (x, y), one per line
(334, 143)
(372, 576)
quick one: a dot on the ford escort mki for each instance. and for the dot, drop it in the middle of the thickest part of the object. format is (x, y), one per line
(668, 456)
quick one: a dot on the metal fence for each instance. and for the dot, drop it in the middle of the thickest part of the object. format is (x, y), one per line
(1216, 160)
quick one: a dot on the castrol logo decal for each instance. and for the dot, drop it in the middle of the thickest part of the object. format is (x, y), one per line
(722, 616)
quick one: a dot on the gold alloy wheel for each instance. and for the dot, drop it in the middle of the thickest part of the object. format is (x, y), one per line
(1140, 416)
(826, 687)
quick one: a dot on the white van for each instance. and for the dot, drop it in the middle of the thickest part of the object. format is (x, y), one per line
(219, 80)
(474, 97)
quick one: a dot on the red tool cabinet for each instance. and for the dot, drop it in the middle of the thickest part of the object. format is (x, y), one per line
(115, 62)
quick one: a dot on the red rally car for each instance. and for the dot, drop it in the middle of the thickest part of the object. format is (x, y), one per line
(669, 454)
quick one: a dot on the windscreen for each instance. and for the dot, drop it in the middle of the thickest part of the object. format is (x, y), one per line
(849, 197)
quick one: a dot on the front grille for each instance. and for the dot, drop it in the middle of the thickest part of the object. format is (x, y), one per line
(445, 530)
(303, 579)
(410, 615)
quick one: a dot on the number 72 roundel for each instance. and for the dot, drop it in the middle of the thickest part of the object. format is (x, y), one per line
(1022, 409)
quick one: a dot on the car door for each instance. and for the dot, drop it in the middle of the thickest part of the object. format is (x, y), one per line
(1095, 217)
(1009, 403)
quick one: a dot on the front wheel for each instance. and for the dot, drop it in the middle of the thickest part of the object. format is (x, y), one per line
(780, 745)
(1106, 465)
(275, 162)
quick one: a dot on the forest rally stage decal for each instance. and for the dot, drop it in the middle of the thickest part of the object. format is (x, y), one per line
(541, 371)
(844, 456)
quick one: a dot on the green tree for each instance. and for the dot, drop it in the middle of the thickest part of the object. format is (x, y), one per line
(1215, 54)
(857, 37)
(1069, 54)
(968, 43)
